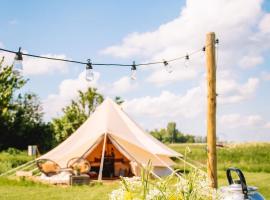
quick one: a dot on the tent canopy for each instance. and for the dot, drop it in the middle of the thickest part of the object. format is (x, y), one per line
(110, 120)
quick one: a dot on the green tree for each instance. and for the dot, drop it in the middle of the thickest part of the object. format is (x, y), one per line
(28, 127)
(76, 113)
(172, 132)
(9, 84)
(172, 135)
(20, 116)
(157, 134)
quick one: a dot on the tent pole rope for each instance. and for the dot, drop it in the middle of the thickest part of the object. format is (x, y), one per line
(102, 158)
(191, 165)
(173, 171)
(151, 171)
(19, 167)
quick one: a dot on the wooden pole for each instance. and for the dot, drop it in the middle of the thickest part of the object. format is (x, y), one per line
(211, 109)
(102, 158)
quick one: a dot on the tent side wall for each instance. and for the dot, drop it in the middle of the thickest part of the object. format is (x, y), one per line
(162, 171)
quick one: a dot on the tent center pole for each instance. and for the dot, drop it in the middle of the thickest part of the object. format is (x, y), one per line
(102, 158)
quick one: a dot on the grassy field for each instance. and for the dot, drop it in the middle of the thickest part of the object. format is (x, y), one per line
(27, 190)
(253, 159)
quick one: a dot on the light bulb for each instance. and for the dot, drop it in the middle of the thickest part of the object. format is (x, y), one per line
(17, 63)
(216, 43)
(133, 71)
(89, 73)
(186, 62)
(167, 66)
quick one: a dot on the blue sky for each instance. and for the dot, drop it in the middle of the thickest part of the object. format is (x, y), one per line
(123, 31)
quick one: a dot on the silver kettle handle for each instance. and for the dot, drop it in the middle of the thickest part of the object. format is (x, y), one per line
(241, 179)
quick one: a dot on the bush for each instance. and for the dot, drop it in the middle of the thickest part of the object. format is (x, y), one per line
(12, 158)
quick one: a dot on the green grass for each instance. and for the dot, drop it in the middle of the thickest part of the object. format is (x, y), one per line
(253, 159)
(12, 158)
(27, 190)
(250, 157)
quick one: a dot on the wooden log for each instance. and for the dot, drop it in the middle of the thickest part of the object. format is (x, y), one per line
(211, 110)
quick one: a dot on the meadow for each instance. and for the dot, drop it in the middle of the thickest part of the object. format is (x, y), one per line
(253, 159)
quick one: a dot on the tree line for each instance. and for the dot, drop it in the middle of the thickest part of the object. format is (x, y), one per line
(22, 118)
(171, 134)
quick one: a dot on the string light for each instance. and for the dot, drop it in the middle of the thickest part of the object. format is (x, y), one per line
(167, 66)
(186, 62)
(133, 71)
(18, 67)
(17, 63)
(216, 42)
(203, 49)
(89, 74)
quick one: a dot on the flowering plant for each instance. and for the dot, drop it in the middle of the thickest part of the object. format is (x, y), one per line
(191, 186)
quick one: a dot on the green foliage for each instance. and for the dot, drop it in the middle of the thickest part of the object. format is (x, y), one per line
(9, 83)
(251, 157)
(12, 158)
(172, 135)
(76, 113)
(20, 116)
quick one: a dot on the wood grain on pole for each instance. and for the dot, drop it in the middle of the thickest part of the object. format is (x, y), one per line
(211, 110)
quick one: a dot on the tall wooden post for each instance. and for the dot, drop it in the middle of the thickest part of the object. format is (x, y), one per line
(211, 109)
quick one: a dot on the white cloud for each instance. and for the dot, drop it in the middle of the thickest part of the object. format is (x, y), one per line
(121, 86)
(248, 62)
(34, 66)
(230, 91)
(237, 120)
(264, 24)
(68, 90)
(267, 125)
(162, 77)
(241, 26)
(265, 76)
(187, 32)
(167, 105)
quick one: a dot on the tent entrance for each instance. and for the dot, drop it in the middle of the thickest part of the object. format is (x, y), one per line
(115, 164)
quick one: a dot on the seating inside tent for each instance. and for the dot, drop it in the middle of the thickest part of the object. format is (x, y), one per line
(115, 164)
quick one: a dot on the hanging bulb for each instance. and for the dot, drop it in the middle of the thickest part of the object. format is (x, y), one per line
(133, 71)
(89, 74)
(17, 63)
(216, 42)
(167, 66)
(186, 63)
(204, 49)
(203, 53)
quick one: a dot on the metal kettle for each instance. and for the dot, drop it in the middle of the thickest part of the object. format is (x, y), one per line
(238, 189)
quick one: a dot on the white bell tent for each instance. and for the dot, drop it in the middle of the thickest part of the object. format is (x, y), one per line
(110, 133)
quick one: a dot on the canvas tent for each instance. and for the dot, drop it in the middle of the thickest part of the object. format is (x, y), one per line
(110, 133)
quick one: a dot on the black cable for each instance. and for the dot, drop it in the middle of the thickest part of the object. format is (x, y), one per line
(111, 64)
